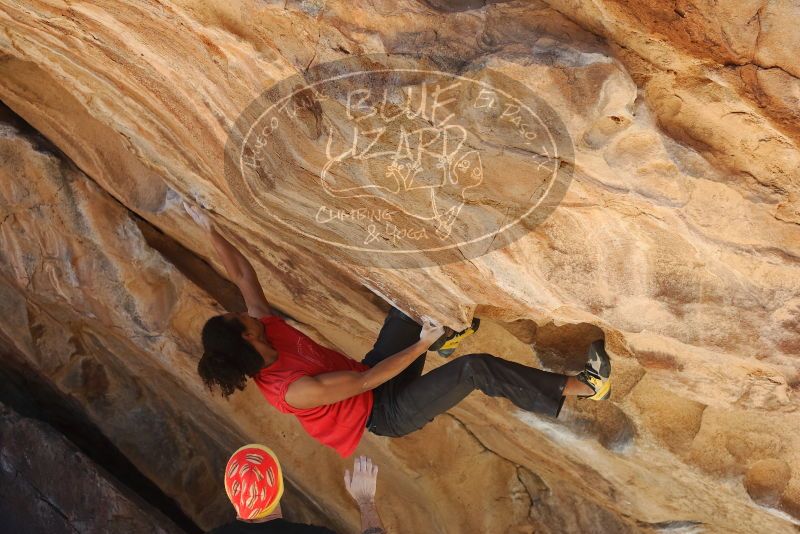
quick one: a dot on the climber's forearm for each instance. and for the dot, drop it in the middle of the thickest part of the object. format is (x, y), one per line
(326, 388)
(234, 261)
(370, 520)
(395, 364)
(241, 272)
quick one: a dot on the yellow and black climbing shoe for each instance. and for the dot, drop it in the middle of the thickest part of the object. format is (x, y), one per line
(447, 344)
(597, 372)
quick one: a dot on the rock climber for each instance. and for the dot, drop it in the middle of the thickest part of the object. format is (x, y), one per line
(336, 398)
(254, 485)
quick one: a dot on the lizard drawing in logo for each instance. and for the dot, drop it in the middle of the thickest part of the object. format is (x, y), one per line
(425, 173)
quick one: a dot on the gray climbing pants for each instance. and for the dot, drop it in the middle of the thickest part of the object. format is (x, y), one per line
(410, 400)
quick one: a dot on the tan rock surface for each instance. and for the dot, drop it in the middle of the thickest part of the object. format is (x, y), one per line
(679, 238)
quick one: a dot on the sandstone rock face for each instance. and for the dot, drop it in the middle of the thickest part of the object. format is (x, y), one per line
(676, 235)
(40, 470)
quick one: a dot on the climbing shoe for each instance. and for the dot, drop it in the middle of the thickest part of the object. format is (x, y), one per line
(447, 344)
(597, 372)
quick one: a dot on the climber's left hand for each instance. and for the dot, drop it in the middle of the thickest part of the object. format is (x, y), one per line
(199, 215)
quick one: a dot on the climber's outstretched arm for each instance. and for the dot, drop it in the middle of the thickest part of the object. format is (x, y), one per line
(241, 273)
(240, 270)
(327, 388)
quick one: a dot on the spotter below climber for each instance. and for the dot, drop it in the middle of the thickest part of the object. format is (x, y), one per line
(336, 398)
(254, 485)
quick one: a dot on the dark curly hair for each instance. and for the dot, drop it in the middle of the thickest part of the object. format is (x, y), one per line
(228, 358)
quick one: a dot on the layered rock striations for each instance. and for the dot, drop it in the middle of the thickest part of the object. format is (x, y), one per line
(677, 238)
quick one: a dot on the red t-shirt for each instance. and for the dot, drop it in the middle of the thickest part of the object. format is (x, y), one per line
(339, 425)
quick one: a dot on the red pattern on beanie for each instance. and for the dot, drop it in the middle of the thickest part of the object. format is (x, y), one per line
(253, 481)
